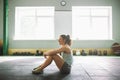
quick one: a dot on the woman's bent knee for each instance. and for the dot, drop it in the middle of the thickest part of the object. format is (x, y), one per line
(49, 57)
(55, 56)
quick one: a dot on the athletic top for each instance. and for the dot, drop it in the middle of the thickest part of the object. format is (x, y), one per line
(68, 58)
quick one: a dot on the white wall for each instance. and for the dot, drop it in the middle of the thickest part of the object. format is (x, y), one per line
(63, 23)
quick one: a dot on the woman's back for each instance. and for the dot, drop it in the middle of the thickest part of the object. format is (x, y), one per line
(68, 57)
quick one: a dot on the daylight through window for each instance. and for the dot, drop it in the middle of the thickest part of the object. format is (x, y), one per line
(34, 23)
(92, 22)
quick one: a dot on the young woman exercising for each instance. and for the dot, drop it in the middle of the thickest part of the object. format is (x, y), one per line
(63, 61)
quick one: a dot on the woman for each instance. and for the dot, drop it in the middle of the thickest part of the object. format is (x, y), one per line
(63, 63)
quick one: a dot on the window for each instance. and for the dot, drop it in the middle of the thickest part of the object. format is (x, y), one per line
(92, 22)
(34, 23)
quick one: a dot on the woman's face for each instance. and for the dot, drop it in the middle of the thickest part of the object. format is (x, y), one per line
(61, 41)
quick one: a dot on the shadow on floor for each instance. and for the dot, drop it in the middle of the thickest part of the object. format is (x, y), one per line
(53, 76)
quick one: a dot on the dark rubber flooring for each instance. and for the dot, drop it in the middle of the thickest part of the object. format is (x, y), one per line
(83, 68)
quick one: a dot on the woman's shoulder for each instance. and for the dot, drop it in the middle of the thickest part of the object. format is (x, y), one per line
(67, 49)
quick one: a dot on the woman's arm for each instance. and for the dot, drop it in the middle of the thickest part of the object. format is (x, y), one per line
(54, 51)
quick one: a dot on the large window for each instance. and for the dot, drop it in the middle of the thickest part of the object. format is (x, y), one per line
(34, 23)
(92, 22)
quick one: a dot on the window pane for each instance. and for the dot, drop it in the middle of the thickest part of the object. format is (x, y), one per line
(92, 23)
(102, 29)
(45, 11)
(33, 23)
(81, 27)
(99, 12)
(81, 11)
(27, 25)
(44, 28)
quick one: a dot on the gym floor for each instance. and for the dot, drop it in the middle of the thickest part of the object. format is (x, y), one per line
(84, 68)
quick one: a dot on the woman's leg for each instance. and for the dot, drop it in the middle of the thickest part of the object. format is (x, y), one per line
(39, 69)
(46, 62)
(58, 60)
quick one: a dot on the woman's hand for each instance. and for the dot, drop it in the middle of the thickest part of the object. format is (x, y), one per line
(45, 55)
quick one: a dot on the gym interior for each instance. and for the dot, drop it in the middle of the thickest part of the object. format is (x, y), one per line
(28, 28)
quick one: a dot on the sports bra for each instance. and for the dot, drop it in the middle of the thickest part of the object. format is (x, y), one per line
(68, 57)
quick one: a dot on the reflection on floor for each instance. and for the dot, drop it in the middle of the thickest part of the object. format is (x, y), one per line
(84, 68)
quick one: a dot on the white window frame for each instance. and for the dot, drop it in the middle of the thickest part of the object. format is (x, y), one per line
(87, 33)
(34, 23)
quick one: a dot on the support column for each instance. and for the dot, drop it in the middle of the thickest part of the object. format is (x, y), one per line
(5, 27)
